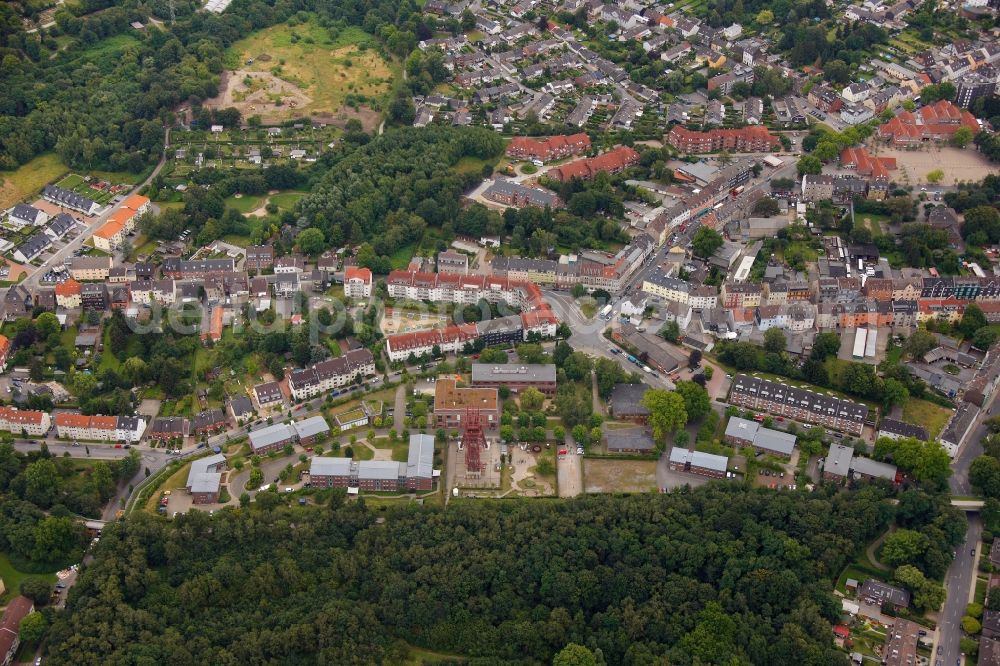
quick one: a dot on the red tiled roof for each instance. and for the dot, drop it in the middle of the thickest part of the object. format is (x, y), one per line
(68, 288)
(613, 160)
(353, 272)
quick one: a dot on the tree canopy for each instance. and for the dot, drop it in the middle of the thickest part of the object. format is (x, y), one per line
(718, 574)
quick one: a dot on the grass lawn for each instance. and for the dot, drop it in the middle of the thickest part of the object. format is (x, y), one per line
(108, 360)
(400, 259)
(927, 414)
(110, 48)
(244, 203)
(12, 578)
(327, 69)
(121, 177)
(420, 657)
(286, 199)
(470, 165)
(29, 178)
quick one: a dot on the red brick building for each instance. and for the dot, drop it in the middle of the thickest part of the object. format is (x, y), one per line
(746, 139)
(615, 160)
(552, 148)
(935, 122)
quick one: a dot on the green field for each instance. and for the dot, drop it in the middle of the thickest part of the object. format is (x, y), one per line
(30, 178)
(927, 414)
(286, 200)
(326, 68)
(77, 184)
(110, 49)
(245, 203)
(12, 578)
(400, 259)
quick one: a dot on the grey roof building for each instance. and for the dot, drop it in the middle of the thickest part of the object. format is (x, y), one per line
(741, 430)
(626, 401)
(866, 467)
(308, 428)
(838, 461)
(699, 459)
(330, 467)
(895, 429)
(271, 436)
(879, 592)
(775, 441)
(634, 440)
(382, 470)
(513, 372)
(420, 459)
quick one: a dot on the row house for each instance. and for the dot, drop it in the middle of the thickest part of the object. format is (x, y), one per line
(166, 428)
(77, 426)
(740, 295)
(941, 309)
(90, 268)
(613, 161)
(799, 404)
(146, 292)
(755, 138)
(70, 199)
(24, 422)
(68, 294)
(259, 258)
(209, 421)
(796, 317)
(551, 148)
(331, 374)
(180, 269)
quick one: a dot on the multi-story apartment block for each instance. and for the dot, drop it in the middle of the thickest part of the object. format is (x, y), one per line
(17, 421)
(100, 428)
(331, 374)
(799, 404)
(357, 282)
(754, 138)
(740, 295)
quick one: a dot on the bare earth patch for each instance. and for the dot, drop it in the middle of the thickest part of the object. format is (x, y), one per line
(618, 476)
(958, 164)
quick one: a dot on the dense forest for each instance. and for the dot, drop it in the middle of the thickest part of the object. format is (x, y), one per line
(712, 575)
(39, 495)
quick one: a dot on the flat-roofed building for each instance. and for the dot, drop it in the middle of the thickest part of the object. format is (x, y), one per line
(451, 403)
(516, 376)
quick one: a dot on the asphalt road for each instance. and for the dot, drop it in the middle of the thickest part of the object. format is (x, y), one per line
(957, 583)
(961, 573)
(66, 252)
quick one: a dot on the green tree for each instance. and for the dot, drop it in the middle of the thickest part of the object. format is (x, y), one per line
(903, 547)
(973, 319)
(809, 164)
(311, 241)
(774, 340)
(961, 137)
(575, 655)
(971, 625)
(41, 483)
(666, 412)
(46, 324)
(705, 242)
(696, 401)
(532, 399)
(927, 595)
(919, 343)
(33, 627)
(936, 176)
(764, 17)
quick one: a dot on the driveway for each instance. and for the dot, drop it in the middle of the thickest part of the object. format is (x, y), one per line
(569, 470)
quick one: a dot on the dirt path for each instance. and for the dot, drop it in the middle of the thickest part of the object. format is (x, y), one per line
(874, 546)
